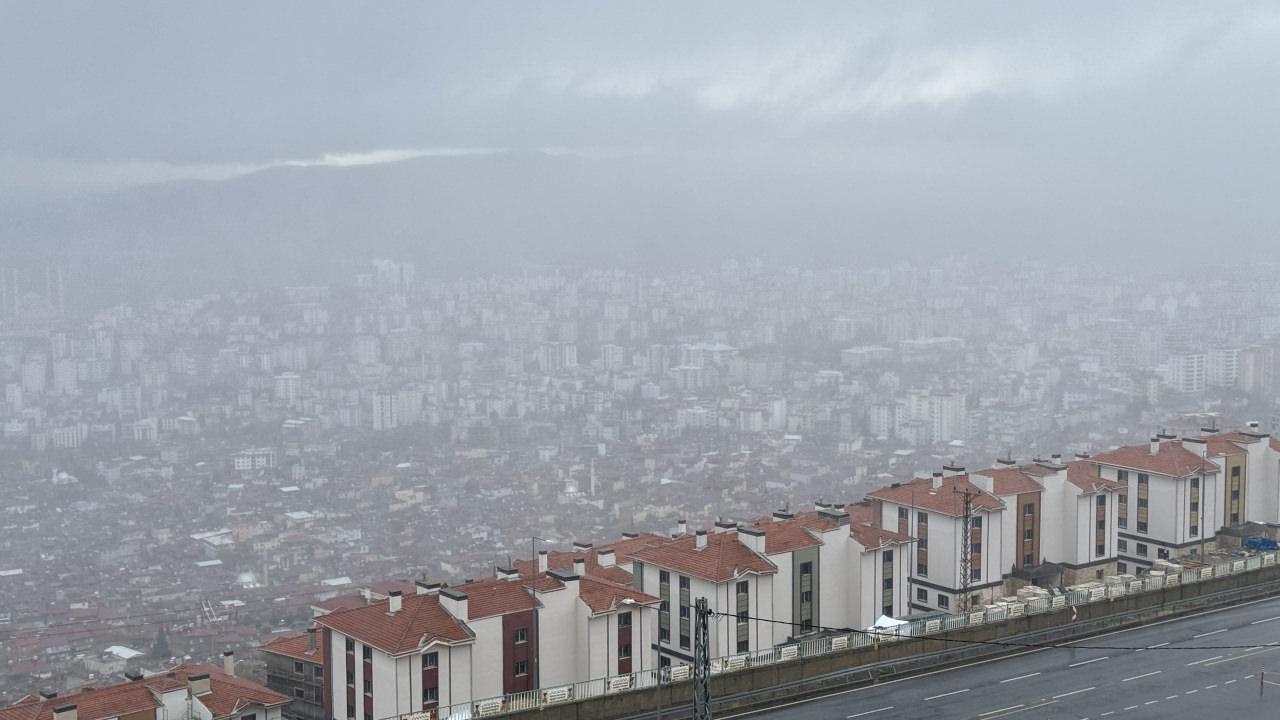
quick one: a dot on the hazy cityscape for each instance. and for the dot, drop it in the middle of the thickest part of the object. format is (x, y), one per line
(509, 360)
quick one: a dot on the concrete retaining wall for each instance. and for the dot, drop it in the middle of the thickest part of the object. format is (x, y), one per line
(794, 679)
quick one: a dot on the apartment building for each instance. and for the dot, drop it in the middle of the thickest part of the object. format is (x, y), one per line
(1170, 499)
(1250, 470)
(932, 510)
(186, 692)
(736, 580)
(295, 669)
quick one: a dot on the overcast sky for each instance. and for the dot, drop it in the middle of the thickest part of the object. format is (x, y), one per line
(120, 92)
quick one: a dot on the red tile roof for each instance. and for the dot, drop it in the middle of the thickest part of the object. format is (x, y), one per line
(864, 526)
(341, 602)
(724, 557)
(1172, 460)
(1222, 447)
(486, 598)
(295, 646)
(600, 596)
(784, 536)
(947, 499)
(1013, 480)
(1084, 475)
(421, 620)
(227, 695)
(563, 561)
(91, 703)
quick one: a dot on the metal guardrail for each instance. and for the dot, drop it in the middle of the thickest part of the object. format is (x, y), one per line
(649, 679)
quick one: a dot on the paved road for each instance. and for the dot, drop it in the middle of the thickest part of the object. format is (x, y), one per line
(1152, 681)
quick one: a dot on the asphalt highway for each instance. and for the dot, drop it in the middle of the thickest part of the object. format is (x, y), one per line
(1149, 678)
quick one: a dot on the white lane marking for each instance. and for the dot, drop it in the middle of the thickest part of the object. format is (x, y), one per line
(1240, 657)
(1210, 687)
(1211, 632)
(1191, 692)
(1086, 662)
(993, 712)
(1002, 658)
(1248, 677)
(1151, 702)
(1075, 692)
(1020, 677)
(1259, 622)
(1016, 709)
(1109, 712)
(1139, 677)
(1204, 660)
(953, 692)
(1132, 707)
(1171, 697)
(869, 712)
(1228, 682)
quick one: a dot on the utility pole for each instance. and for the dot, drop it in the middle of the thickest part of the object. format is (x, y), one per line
(701, 662)
(966, 548)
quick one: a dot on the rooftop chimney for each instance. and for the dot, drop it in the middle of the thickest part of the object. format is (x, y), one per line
(1253, 425)
(1082, 456)
(1006, 461)
(752, 538)
(393, 602)
(950, 470)
(229, 661)
(1196, 445)
(836, 514)
(581, 546)
(780, 515)
(427, 588)
(1155, 445)
(579, 566)
(133, 675)
(605, 557)
(68, 712)
(48, 694)
(196, 684)
(630, 535)
(1056, 458)
(505, 573)
(682, 527)
(936, 481)
(454, 602)
(723, 525)
(542, 561)
(700, 540)
(311, 640)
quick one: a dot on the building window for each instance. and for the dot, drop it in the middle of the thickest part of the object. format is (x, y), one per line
(300, 693)
(922, 595)
(430, 694)
(624, 620)
(743, 586)
(923, 543)
(1029, 509)
(351, 679)
(624, 651)
(887, 556)
(1195, 507)
(318, 671)
(922, 518)
(351, 711)
(430, 660)
(1102, 501)
(520, 668)
(351, 646)
(520, 635)
(1100, 550)
(1028, 534)
(944, 602)
(367, 653)
(975, 547)
(975, 574)
(1122, 567)
(902, 513)
(664, 634)
(806, 596)
(684, 641)
(1142, 549)
(297, 667)
(684, 611)
(1028, 559)
(1102, 524)
(1195, 481)
(684, 583)
(922, 569)
(887, 583)
(975, 521)
(664, 576)
(1142, 526)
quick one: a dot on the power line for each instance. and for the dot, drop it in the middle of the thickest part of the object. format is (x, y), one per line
(999, 643)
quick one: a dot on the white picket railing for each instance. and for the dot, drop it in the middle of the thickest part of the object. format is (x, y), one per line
(649, 679)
